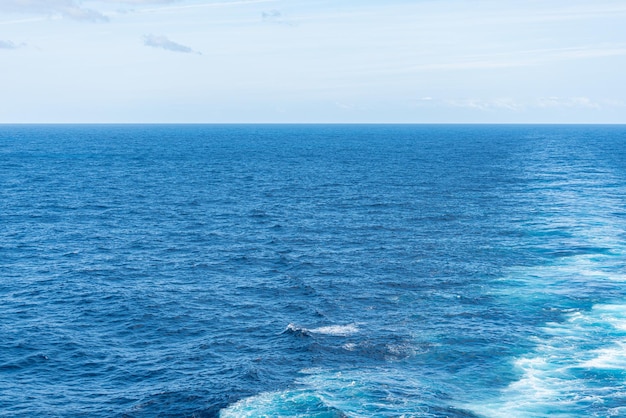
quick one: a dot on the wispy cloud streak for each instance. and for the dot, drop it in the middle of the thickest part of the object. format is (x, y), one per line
(523, 58)
(7, 45)
(276, 17)
(201, 5)
(72, 9)
(67, 8)
(163, 42)
(513, 105)
(271, 15)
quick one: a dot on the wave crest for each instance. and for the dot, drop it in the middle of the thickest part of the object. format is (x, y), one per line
(332, 330)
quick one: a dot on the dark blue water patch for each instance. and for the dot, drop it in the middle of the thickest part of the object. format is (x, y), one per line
(156, 270)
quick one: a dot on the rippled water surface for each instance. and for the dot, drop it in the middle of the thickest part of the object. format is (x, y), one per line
(312, 271)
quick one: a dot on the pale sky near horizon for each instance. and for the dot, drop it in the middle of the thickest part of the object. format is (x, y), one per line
(232, 61)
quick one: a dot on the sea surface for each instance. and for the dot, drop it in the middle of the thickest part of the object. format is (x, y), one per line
(312, 271)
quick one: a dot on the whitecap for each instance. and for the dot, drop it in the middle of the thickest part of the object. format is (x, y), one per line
(296, 404)
(339, 394)
(296, 330)
(349, 346)
(337, 330)
(333, 330)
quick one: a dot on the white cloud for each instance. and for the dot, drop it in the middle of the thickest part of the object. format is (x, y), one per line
(552, 102)
(67, 8)
(487, 104)
(272, 15)
(73, 9)
(568, 102)
(163, 42)
(139, 1)
(276, 17)
(7, 45)
(524, 58)
(344, 106)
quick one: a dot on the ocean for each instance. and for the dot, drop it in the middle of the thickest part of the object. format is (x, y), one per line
(312, 271)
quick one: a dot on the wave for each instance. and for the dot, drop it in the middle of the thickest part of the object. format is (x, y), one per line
(332, 330)
(578, 371)
(578, 364)
(348, 393)
(337, 330)
(299, 403)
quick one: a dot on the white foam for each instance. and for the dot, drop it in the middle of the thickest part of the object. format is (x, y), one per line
(611, 358)
(357, 393)
(296, 404)
(349, 346)
(294, 328)
(554, 377)
(337, 330)
(563, 376)
(617, 412)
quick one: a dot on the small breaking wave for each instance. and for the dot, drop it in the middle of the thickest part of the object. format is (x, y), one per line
(299, 403)
(332, 330)
(337, 330)
(348, 393)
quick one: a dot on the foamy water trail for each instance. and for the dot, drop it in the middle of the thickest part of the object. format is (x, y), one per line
(355, 394)
(579, 370)
(578, 365)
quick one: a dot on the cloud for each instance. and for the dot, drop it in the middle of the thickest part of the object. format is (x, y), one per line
(344, 106)
(275, 16)
(552, 102)
(66, 8)
(140, 1)
(568, 102)
(7, 45)
(272, 15)
(72, 9)
(77, 9)
(490, 104)
(163, 42)
(523, 58)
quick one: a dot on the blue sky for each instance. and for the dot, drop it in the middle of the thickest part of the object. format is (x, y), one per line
(421, 61)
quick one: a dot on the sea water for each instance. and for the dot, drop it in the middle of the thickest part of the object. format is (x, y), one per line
(312, 271)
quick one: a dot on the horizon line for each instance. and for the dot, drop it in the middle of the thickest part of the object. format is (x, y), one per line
(317, 123)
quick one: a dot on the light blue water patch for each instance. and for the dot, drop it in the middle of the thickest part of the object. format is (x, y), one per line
(283, 404)
(355, 393)
(577, 367)
(578, 370)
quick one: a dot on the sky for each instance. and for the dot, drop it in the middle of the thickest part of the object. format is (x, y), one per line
(312, 61)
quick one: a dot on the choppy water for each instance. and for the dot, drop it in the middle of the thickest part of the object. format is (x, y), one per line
(313, 271)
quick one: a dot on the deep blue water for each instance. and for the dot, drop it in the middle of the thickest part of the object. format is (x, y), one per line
(312, 271)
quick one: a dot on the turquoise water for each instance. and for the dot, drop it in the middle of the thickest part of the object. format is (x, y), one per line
(312, 270)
